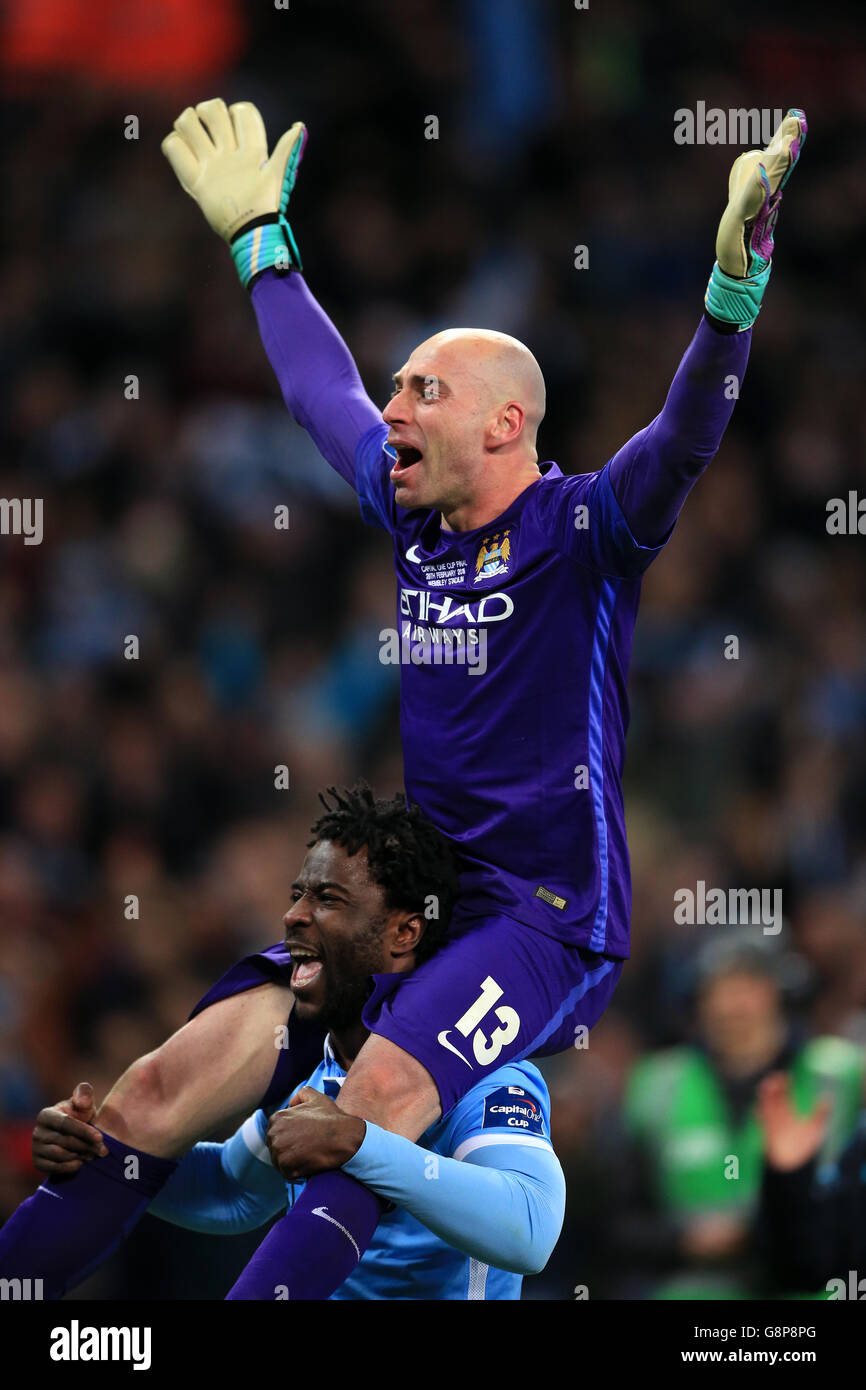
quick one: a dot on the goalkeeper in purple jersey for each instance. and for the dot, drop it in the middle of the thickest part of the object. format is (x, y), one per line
(517, 595)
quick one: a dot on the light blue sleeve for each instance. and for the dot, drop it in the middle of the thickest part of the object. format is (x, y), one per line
(224, 1189)
(500, 1198)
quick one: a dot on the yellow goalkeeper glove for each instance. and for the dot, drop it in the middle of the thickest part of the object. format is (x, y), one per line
(220, 156)
(744, 244)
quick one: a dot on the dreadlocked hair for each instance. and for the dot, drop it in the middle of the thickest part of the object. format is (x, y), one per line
(410, 860)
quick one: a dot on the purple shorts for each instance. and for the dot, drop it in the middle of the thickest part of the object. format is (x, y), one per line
(496, 992)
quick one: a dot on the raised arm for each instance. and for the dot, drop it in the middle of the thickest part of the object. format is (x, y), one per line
(220, 157)
(315, 370)
(653, 473)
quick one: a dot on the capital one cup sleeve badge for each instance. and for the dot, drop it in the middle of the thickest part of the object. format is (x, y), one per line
(493, 556)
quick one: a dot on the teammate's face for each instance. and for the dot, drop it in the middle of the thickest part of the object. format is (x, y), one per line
(439, 415)
(339, 932)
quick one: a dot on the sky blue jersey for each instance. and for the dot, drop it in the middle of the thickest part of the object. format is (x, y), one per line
(406, 1261)
(510, 1109)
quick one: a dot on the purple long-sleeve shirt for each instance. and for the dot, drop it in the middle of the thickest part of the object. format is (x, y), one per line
(515, 638)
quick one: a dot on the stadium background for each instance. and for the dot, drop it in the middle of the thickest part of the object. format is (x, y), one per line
(156, 776)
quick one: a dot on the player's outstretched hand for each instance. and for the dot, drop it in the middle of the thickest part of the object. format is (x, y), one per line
(313, 1136)
(220, 156)
(790, 1139)
(744, 243)
(63, 1137)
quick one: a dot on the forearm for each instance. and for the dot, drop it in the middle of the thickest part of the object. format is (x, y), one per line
(316, 372)
(654, 472)
(204, 1194)
(507, 1217)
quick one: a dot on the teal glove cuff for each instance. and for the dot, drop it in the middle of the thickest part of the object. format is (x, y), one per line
(736, 301)
(266, 244)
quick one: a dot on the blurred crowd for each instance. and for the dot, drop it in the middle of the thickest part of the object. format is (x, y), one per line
(143, 843)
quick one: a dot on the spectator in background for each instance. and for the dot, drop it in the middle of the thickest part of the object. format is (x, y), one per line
(690, 1165)
(812, 1215)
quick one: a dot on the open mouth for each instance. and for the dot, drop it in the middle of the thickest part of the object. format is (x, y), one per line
(407, 457)
(306, 968)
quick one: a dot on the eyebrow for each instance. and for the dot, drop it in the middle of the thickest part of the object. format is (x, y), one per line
(320, 885)
(419, 383)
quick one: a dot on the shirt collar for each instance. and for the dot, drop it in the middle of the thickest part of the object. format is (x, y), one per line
(438, 537)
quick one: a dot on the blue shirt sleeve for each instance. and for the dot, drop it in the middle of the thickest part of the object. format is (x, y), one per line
(223, 1189)
(513, 1103)
(501, 1197)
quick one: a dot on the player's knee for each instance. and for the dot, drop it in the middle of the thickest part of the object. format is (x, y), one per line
(392, 1089)
(391, 1079)
(138, 1109)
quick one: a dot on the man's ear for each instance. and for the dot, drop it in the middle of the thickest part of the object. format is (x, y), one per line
(506, 427)
(408, 930)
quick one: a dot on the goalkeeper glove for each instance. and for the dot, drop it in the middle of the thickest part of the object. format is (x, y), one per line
(744, 244)
(220, 156)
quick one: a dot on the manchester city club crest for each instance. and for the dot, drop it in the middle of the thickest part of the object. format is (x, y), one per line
(493, 556)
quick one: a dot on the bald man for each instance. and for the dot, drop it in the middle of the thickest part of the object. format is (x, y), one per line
(517, 593)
